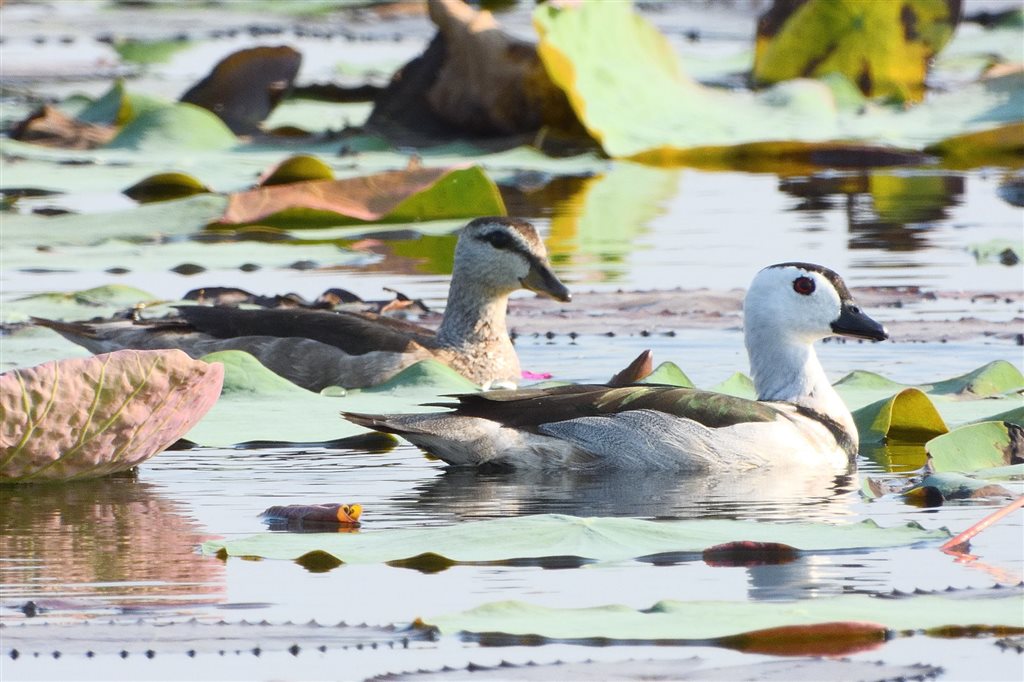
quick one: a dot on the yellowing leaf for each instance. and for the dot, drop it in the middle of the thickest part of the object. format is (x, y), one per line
(164, 187)
(1002, 146)
(393, 196)
(299, 168)
(883, 47)
(90, 417)
(907, 417)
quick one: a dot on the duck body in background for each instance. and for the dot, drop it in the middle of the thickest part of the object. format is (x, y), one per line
(797, 420)
(494, 257)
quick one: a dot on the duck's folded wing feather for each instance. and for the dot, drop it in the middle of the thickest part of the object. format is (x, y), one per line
(531, 408)
(356, 334)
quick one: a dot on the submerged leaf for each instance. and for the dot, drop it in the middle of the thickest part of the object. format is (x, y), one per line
(393, 196)
(90, 417)
(907, 417)
(884, 47)
(953, 486)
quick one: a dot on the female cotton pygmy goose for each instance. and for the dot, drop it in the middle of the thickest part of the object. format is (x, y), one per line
(493, 258)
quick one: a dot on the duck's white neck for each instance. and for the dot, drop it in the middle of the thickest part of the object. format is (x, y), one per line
(474, 316)
(788, 370)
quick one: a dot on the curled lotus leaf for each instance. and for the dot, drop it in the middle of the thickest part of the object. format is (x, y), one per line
(90, 417)
(907, 417)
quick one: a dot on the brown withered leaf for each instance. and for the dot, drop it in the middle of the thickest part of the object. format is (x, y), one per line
(51, 127)
(245, 86)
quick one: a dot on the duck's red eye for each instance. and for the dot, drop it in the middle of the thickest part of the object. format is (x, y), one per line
(803, 286)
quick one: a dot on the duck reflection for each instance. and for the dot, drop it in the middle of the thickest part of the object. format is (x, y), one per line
(115, 541)
(460, 493)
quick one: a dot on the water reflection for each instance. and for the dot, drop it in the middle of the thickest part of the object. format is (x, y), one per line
(783, 495)
(884, 210)
(114, 541)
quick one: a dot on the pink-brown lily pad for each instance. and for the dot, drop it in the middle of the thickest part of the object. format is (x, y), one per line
(89, 417)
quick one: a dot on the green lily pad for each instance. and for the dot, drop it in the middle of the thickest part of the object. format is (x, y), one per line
(102, 301)
(739, 385)
(301, 168)
(194, 256)
(175, 127)
(24, 233)
(604, 539)
(995, 378)
(118, 107)
(907, 417)
(977, 446)
(258, 405)
(697, 620)
(149, 51)
(670, 374)
(164, 187)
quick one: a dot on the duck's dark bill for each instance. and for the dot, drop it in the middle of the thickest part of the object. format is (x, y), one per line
(541, 280)
(853, 322)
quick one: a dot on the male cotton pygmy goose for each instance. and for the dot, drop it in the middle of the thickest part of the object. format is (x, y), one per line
(493, 258)
(797, 419)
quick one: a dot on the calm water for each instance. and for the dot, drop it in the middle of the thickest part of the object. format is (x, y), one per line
(126, 547)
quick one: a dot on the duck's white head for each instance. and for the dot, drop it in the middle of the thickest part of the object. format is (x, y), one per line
(802, 303)
(498, 255)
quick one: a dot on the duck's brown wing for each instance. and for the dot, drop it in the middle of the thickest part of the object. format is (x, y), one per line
(530, 408)
(356, 334)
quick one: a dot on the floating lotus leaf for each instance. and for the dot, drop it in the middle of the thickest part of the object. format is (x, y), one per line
(695, 620)
(907, 417)
(118, 107)
(301, 168)
(392, 196)
(174, 127)
(1002, 145)
(739, 385)
(884, 47)
(555, 535)
(668, 373)
(995, 378)
(258, 405)
(101, 301)
(977, 446)
(90, 417)
(164, 187)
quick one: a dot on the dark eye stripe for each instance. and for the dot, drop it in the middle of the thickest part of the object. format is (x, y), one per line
(498, 239)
